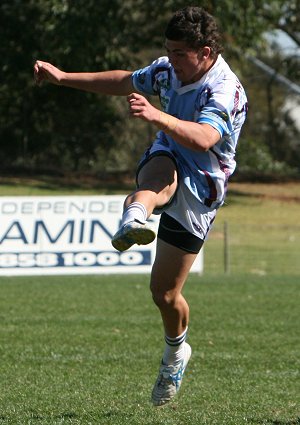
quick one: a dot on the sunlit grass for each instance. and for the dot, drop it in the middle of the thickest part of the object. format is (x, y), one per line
(86, 350)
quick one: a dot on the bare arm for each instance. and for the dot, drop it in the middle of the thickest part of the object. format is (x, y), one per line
(196, 136)
(116, 82)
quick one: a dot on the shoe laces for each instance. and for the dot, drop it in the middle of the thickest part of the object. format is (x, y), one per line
(172, 374)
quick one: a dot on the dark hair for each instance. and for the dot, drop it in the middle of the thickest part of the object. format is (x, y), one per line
(196, 27)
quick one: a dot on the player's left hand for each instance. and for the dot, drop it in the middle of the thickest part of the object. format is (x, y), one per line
(139, 107)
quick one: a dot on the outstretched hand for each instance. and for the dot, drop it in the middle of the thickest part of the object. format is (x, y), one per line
(44, 71)
(139, 107)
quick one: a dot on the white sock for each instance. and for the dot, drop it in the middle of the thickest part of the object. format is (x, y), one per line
(174, 350)
(135, 211)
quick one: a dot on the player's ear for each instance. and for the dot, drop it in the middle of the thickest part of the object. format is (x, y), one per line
(204, 53)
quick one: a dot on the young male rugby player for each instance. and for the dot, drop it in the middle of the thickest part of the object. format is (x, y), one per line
(183, 175)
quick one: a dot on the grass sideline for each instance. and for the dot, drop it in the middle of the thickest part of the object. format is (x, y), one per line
(72, 185)
(86, 349)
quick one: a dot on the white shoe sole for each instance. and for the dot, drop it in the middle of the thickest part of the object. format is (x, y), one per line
(125, 238)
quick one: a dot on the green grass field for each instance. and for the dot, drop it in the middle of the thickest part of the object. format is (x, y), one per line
(86, 349)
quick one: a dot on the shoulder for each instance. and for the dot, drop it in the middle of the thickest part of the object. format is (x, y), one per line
(162, 61)
(160, 66)
(223, 82)
(154, 76)
(228, 75)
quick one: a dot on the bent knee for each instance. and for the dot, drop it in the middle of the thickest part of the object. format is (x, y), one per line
(161, 297)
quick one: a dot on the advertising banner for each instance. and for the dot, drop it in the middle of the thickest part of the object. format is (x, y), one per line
(68, 235)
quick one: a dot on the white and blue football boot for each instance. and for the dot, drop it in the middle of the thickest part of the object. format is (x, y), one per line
(169, 379)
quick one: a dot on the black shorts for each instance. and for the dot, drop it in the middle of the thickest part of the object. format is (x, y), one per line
(173, 233)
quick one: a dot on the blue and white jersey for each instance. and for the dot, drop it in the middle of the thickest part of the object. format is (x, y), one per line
(217, 99)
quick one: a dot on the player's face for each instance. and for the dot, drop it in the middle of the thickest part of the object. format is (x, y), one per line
(189, 64)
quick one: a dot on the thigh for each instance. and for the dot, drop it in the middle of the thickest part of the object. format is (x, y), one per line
(171, 267)
(159, 170)
(159, 177)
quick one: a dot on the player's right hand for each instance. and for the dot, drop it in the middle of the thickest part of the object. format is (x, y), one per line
(44, 71)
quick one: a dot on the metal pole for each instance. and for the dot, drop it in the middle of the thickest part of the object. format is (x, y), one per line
(293, 87)
(226, 249)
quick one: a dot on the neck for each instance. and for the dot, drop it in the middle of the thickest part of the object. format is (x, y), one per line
(198, 77)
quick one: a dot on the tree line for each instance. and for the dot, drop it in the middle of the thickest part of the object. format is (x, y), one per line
(55, 129)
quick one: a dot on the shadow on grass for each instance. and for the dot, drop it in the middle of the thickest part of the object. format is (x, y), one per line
(104, 184)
